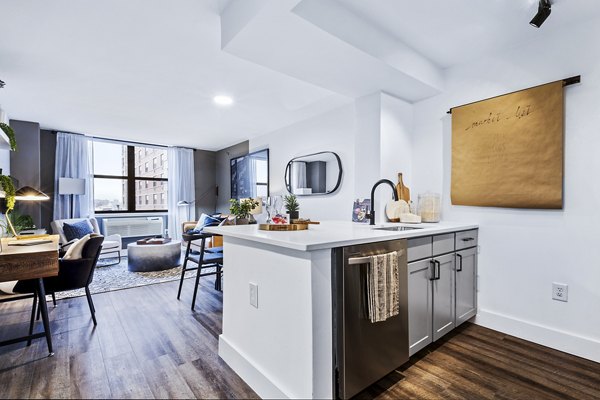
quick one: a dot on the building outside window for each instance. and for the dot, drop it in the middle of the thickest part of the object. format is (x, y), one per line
(120, 187)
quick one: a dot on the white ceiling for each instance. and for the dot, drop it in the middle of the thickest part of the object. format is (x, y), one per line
(451, 32)
(147, 70)
(141, 70)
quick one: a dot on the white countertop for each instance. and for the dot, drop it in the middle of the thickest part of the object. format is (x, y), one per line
(330, 234)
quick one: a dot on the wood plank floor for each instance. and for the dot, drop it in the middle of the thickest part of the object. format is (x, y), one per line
(149, 345)
(146, 345)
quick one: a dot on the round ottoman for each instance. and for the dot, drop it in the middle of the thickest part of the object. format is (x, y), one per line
(153, 257)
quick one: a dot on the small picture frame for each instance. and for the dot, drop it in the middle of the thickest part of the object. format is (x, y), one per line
(361, 210)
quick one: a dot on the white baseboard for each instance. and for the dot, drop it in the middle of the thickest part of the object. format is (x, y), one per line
(250, 373)
(567, 342)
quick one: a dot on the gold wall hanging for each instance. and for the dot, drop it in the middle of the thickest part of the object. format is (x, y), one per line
(508, 151)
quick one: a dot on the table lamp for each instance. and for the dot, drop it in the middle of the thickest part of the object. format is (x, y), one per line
(27, 193)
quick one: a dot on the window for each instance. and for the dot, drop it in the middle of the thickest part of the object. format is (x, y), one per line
(123, 176)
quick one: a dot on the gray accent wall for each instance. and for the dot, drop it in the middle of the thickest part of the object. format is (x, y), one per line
(223, 174)
(205, 176)
(25, 164)
(47, 165)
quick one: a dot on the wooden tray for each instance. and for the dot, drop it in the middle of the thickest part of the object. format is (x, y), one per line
(283, 227)
(304, 222)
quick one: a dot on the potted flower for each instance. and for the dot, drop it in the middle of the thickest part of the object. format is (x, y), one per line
(292, 206)
(241, 210)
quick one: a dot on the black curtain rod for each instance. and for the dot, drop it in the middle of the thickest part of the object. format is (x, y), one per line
(566, 82)
(130, 142)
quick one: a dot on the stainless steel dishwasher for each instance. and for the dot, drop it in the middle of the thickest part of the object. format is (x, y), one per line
(365, 352)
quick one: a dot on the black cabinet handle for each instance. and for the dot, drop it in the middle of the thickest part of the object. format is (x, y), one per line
(460, 262)
(438, 269)
(433, 278)
(468, 239)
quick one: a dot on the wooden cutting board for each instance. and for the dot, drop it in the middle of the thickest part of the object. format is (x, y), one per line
(283, 227)
(402, 191)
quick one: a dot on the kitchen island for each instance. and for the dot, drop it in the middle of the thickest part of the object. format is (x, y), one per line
(277, 302)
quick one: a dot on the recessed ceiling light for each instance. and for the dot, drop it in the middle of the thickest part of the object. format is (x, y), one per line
(223, 100)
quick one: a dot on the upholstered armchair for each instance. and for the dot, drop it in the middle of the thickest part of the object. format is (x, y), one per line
(215, 241)
(112, 244)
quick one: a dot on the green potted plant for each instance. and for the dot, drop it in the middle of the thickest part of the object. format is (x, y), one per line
(241, 210)
(19, 221)
(6, 183)
(292, 206)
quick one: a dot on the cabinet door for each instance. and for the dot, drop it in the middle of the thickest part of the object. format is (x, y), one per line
(419, 305)
(466, 285)
(443, 296)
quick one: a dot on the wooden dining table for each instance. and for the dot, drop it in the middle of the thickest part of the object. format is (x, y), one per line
(33, 259)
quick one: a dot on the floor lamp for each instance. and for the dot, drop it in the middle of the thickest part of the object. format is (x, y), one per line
(71, 187)
(185, 203)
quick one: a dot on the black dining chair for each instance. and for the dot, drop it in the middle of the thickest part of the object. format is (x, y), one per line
(205, 259)
(72, 274)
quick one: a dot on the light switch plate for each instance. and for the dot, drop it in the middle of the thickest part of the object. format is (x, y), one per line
(254, 294)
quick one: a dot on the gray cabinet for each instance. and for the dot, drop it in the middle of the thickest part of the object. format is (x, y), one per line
(466, 285)
(420, 305)
(430, 300)
(442, 292)
(443, 296)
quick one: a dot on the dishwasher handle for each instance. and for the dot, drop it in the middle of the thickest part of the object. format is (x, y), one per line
(366, 259)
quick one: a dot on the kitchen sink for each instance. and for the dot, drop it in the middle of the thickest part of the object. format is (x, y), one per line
(397, 228)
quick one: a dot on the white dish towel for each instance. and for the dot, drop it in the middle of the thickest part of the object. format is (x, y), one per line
(383, 287)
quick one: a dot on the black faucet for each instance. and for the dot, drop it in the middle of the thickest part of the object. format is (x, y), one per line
(371, 215)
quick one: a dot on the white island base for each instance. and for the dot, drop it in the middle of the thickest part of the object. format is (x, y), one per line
(283, 348)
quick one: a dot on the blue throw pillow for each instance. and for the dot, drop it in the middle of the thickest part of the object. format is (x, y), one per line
(77, 230)
(206, 220)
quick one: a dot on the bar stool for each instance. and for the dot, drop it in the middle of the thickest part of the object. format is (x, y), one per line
(206, 259)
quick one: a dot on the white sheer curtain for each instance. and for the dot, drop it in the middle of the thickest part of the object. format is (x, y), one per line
(252, 176)
(181, 187)
(73, 160)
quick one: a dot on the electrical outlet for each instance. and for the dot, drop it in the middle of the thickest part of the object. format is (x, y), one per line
(560, 291)
(254, 294)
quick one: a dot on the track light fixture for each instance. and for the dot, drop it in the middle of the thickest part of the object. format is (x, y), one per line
(544, 9)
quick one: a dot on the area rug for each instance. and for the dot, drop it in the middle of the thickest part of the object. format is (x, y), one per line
(117, 277)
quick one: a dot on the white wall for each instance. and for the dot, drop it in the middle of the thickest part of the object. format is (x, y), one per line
(332, 131)
(395, 143)
(524, 251)
(372, 138)
(5, 161)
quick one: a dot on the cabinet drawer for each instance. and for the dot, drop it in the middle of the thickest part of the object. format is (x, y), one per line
(443, 244)
(466, 239)
(419, 248)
